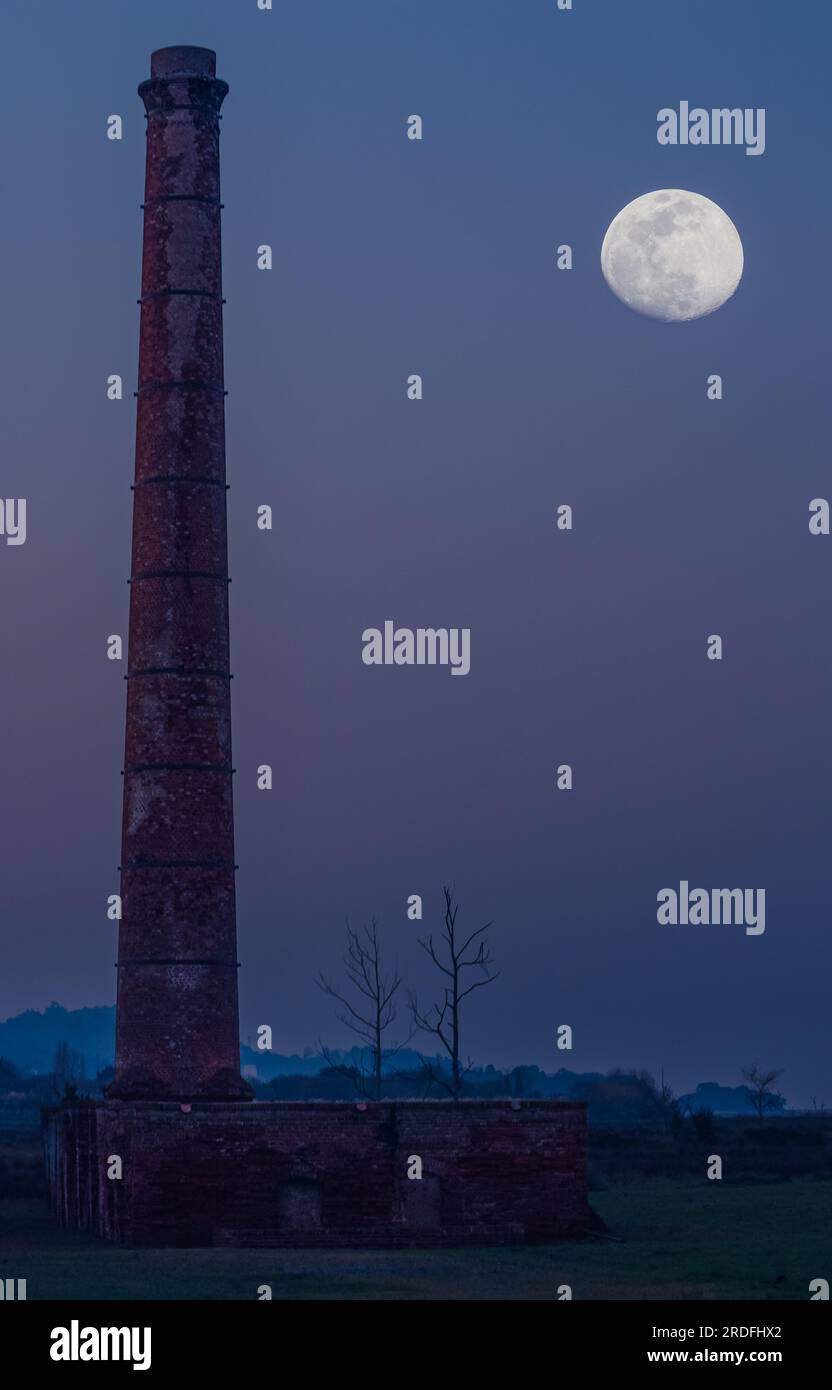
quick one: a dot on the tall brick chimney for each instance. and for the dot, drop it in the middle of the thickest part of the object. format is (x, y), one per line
(177, 1032)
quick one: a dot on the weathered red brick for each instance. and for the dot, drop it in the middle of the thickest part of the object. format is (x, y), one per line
(177, 1016)
(322, 1173)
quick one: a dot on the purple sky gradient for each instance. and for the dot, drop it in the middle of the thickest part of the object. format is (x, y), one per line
(691, 517)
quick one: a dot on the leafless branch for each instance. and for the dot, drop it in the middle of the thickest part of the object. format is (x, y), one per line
(443, 1019)
(366, 976)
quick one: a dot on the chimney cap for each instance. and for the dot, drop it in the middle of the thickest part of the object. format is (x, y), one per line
(183, 62)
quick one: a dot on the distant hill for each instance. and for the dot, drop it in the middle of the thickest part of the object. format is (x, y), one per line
(722, 1100)
(29, 1039)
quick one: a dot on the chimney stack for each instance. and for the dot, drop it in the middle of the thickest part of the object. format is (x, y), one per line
(177, 1029)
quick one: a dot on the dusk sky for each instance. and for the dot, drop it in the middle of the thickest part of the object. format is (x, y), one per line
(394, 257)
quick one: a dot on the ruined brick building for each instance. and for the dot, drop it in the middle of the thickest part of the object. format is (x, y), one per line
(200, 1163)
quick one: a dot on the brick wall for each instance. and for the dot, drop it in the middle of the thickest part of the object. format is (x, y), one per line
(320, 1173)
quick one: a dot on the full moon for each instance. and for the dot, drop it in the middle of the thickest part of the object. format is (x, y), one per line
(672, 255)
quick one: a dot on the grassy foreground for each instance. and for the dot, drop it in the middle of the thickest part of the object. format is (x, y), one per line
(670, 1239)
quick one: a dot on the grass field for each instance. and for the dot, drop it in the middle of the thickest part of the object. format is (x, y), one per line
(668, 1239)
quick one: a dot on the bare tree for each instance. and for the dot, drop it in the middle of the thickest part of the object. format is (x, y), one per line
(664, 1098)
(67, 1071)
(443, 1019)
(759, 1087)
(374, 1011)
